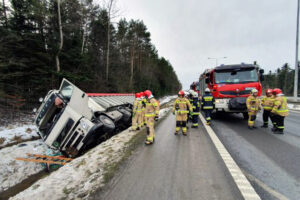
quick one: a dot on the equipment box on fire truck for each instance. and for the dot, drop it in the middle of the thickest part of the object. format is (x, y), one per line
(73, 121)
(231, 85)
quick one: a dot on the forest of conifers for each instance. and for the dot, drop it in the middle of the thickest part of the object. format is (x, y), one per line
(43, 41)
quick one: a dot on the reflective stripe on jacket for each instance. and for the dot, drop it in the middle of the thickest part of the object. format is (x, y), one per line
(280, 106)
(152, 108)
(267, 102)
(182, 106)
(253, 104)
(208, 102)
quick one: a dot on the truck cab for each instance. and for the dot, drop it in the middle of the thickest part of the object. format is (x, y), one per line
(71, 121)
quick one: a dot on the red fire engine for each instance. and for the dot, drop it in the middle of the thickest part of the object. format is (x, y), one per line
(231, 85)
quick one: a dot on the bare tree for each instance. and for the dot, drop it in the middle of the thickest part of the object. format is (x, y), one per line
(61, 37)
(4, 10)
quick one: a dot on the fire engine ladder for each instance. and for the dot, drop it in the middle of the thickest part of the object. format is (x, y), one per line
(59, 160)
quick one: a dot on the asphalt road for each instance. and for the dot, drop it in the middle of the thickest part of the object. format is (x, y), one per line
(175, 167)
(270, 161)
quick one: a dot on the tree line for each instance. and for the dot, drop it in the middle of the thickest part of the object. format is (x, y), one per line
(282, 78)
(42, 41)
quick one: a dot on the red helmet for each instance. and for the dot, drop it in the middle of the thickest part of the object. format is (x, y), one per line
(147, 93)
(137, 95)
(269, 91)
(276, 91)
(181, 93)
(142, 94)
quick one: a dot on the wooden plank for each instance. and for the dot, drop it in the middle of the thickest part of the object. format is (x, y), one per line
(50, 157)
(41, 161)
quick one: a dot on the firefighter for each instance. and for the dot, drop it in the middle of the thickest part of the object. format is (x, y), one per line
(151, 114)
(143, 99)
(267, 104)
(136, 112)
(280, 111)
(181, 105)
(207, 105)
(253, 106)
(196, 109)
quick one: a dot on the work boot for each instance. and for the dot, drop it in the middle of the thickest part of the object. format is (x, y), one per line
(148, 142)
(274, 129)
(176, 133)
(279, 131)
(184, 134)
(138, 128)
(250, 127)
(254, 127)
(264, 126)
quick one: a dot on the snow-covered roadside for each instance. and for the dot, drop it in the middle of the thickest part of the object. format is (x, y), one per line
(85, 174)
(166, 99)
(294, 106)
(16, 134)
(13, 171)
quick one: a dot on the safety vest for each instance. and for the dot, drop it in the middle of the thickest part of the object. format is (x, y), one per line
(267, 102)
(280, 106)
(253, 105)
(182, 106)
(152, 108)
(207, 102)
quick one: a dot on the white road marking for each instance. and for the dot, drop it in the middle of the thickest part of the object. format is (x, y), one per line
(239, 178)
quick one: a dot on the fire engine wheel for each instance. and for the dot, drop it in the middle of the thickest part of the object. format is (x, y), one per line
(108, 124)
(246, 116)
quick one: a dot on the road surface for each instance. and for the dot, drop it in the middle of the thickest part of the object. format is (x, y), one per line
(270, 161)
(175, 167)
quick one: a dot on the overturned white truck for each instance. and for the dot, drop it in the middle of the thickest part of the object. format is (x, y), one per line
(73, 121)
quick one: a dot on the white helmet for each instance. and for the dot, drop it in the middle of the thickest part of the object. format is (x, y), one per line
(195, 94)
(254, 90)
(207, 90)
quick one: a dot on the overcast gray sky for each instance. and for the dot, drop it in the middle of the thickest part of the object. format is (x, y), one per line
(188, 32)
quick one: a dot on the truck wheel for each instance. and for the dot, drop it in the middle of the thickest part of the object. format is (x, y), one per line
(126, 114)
(246, 116)
(108, 124)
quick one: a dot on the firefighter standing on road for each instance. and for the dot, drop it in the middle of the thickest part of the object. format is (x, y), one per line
(280, 111)
(267, 103)
(137, 112)
(181, 105)
(151, 114)
(253, 106)
(196, 110)
(143, 99)
(207, 105)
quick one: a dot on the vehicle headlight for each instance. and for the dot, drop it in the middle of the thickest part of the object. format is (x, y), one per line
(84, 125)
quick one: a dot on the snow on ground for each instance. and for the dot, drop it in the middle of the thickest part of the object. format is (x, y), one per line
(16, 134)
(167, 99)
(294, 106)
(14, 171)
(84, 175)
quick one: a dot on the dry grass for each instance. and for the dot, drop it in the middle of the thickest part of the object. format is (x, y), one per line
(2, 140)
(18, 139)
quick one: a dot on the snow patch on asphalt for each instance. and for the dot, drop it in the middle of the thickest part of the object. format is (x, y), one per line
(17, 133)
(84, 175)
(14, 171)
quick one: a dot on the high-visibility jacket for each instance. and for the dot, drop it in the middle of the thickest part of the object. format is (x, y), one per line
(196, 106)
(253, 104)
(152, 108)
(182, 106)
(267, 102)
(135, 105)
(280, 106)
(207, 102)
